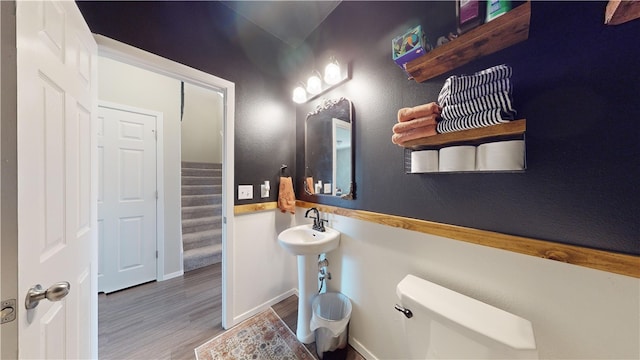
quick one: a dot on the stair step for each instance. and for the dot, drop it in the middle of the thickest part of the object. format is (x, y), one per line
(201, 214)
(201, 189)
(201, 224)
(196, 200)
(192, 212)
(200, 180)
(200, 257)
(200, 165)
(201, 239)
(202, 172)
(201, 221)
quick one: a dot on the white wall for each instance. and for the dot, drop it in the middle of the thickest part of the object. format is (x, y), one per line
(129, 85)
(577, 313)
(264, 273)
(202, 123)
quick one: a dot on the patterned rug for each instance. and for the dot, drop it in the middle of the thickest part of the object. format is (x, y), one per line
(263, 336)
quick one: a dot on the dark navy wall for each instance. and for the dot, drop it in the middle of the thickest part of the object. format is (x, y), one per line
(577, 82)
(210, 37)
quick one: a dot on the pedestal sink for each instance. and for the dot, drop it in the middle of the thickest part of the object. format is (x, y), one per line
(307, 244)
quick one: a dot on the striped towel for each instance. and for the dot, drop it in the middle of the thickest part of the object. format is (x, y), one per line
(498, 86)
(459, 84)
(477, 120)
(500, 100)
(478, 100)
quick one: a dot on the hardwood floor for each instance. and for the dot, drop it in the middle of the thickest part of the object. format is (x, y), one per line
(161, 320)
(169, 319)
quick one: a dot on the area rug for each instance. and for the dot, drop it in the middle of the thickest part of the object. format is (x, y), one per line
(263, 336)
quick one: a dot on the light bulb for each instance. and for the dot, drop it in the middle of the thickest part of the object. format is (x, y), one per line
(332, 73)
(299, 95)
(314, 84)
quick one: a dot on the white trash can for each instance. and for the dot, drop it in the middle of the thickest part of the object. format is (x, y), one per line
(331, 312)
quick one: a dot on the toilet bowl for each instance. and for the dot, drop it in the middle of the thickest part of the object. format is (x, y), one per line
(439, 323)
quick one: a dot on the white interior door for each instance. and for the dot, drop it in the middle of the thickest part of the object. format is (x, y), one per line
(126, 197)
(56, 74)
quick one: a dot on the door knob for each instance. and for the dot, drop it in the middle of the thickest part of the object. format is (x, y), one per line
(55, 292)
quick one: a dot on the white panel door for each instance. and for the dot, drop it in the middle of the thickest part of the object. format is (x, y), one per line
(126, 197)
(56, 76)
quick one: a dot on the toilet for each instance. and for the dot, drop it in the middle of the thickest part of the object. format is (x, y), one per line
(439, 323)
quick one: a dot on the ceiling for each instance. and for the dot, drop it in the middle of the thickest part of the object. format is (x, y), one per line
(289, 21)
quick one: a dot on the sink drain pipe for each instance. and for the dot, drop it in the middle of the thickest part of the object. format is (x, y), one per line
(323, 273)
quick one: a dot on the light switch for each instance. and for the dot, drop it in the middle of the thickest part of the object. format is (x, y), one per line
(245, 192)
(264, 189)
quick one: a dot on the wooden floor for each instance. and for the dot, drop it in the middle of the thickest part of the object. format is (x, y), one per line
(169, 319)
(161, 320)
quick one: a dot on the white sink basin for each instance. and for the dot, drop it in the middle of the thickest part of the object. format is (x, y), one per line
(303, 240)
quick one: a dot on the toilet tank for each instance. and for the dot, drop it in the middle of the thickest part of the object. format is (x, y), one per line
(445, 324)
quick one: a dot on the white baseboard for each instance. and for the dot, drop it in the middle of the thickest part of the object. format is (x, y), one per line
(172, 275)
(357, 345)
(260, 308)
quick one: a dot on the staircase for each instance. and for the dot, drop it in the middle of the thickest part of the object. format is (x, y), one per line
(201, 214)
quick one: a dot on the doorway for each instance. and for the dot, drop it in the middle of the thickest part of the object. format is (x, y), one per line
(201, 157)
(170, 266)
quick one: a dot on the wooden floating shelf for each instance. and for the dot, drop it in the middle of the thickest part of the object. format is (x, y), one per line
(512, 128)
(507, 30)
(619, 12)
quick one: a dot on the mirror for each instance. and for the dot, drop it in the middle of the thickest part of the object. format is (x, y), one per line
(329, 150)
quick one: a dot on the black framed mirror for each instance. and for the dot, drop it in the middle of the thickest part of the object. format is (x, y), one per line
(329, 165)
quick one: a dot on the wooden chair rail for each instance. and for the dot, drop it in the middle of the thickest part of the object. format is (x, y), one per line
(616, 263)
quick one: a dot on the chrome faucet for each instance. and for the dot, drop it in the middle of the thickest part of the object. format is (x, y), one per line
(318, 224)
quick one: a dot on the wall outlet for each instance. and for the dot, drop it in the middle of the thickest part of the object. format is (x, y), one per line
(245, 192)
(327, 188)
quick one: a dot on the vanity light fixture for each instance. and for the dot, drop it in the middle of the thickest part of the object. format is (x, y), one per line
(334, 74)
(299, 94)
(314, 84)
